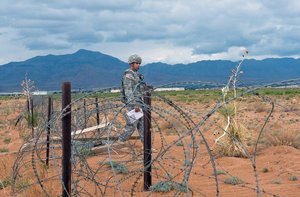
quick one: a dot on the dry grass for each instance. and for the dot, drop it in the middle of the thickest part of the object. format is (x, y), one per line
(230, 144)
(292, 108)
(260, 107)
(169, 126)
(6, 163)
(281, 137)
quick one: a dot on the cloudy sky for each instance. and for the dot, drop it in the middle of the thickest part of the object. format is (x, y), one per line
(171, 31)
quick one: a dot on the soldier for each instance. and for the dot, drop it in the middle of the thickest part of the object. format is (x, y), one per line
(132, 92)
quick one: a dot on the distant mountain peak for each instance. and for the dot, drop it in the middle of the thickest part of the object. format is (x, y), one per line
(80, 51)
(84, 53)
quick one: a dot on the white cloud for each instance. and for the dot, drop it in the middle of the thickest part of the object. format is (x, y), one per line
(177, 31)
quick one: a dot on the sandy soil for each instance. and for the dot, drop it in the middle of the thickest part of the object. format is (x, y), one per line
(275, 165)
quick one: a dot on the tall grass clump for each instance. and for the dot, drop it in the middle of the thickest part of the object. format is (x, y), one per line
(282, 137)
(229, 143)
(32, 119)
(7, 181)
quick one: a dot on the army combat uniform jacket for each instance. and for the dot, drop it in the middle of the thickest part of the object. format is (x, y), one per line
(132, 84)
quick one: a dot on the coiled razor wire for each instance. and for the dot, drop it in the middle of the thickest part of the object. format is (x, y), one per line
(102, 167)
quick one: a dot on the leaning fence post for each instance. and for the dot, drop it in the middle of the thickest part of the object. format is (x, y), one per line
(32, 119)
(97, 114)
(50, 105)
(147, 139)
(28, 112)
(84, 111)
(66, 139)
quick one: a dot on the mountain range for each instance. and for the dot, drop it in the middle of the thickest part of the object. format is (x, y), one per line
(89, 69)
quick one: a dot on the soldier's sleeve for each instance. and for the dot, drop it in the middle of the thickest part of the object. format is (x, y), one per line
(128, 82)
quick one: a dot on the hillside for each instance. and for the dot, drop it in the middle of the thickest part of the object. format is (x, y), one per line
(89, 69)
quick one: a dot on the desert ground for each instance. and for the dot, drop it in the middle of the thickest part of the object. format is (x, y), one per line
(265, 159)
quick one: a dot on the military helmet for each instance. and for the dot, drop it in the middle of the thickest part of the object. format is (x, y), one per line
(134, 59)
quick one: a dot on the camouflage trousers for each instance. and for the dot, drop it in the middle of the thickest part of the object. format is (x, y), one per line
(130, 128)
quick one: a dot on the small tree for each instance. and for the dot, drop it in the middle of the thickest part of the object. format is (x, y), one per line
(28, 87)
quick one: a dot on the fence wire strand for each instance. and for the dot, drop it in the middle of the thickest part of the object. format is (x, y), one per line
(102, 167)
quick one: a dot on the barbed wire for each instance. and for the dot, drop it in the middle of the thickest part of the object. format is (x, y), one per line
(101, 167)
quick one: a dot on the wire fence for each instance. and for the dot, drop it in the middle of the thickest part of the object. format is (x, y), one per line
(182, 151)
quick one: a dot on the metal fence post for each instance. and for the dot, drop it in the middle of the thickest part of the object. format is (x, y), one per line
(147, 139)
(48, 129)
(84, 111)
(32, 119)
(97, 114)
(66, 139)
(28, 112)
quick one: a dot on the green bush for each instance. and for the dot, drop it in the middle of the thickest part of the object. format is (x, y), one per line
(163, 186)
(29, 119)
(293, 178)
(220, 172)
(118, 167)
(166, 186)
(3, 150)
(5, 183)
(7, 140)
(233, 181)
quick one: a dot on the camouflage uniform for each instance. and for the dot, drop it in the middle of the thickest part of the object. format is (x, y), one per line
(133, 89)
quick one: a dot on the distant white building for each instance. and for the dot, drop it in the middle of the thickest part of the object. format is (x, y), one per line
(39, 93)
(115, 90)
(157, 89)
(169, 89)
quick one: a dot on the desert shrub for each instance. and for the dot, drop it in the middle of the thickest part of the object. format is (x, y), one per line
(282, 137)
(3, 150)
(22, 184)
(235, 134)
(220, 172)
(7, 140)
(226, 111)
(180, 187)
(118, 167)
(265, 170)
(7, 181)
(82, 148)
(293, 178)
(233, 181)
(29, 118)
(163, 186)
(276, 181)
(25, 134)
(166, 186)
